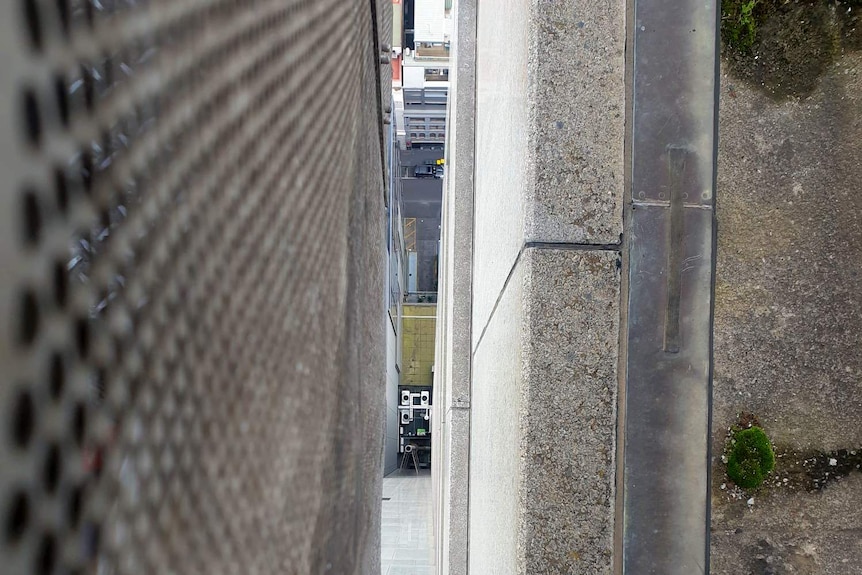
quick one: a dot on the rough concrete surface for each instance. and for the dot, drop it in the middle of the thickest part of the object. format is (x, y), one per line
(790, 532)
(550, 99)
(543, 422)
(455, 514)
(578, 100)
(568, 415)
(788, 315)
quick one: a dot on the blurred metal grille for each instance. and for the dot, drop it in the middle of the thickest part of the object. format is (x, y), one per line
(179, 178)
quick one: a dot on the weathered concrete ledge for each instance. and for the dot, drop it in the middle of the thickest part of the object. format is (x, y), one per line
(532, 222)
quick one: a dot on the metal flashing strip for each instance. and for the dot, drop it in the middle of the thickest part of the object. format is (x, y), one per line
(670, 242)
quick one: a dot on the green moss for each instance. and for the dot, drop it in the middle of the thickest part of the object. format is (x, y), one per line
(739, 24)
(784, 46)
(750, 458)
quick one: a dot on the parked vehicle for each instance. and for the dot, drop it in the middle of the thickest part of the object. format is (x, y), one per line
(425, 171)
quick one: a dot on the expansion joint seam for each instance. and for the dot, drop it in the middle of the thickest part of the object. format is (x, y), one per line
(571, 246)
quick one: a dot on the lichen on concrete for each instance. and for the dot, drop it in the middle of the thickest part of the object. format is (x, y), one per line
(788, 317)
(783, 48)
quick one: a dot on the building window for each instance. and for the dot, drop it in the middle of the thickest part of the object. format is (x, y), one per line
(437, 74)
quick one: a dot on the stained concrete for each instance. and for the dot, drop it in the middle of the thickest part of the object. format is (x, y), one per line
(788, 314)
(568, 411)
(577, 101)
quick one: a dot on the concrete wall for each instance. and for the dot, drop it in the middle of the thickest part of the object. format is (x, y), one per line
(214, 402)
(532, 387)
(452, 379)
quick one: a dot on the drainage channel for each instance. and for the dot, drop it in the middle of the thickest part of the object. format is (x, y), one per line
(671, 243)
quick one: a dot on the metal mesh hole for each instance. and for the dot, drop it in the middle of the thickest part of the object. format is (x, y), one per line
(57, 376)
(87, 170)
(63, 13)
(89, 11)
(32, 119)
(17, 516)
(79, 423)
(74, 505)
(82, 337)
(61, 93)
(94, 537)
(99, 384)
(23, 415)
(33, 23)
(89, 87)
(61, 190)
(61, 283)
(32, 218)
(52, 468)
(46, 559)
(28, 326)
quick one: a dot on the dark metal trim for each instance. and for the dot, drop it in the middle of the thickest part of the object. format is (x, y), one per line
(670, 249)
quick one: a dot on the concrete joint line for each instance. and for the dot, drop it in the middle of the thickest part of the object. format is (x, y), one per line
(534, 245)
(573, 246)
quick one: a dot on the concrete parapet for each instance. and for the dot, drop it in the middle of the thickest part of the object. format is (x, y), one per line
(532, 214)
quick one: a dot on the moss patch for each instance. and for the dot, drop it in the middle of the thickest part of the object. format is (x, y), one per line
(739, 23)
(792, 469)
(750, 458)
(784, 46)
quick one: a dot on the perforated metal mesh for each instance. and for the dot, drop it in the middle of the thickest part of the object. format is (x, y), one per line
(179, 221)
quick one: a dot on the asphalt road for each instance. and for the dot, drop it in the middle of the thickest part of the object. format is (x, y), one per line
(419, 157)
(421, 198)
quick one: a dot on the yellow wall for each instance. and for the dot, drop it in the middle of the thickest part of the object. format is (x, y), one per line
(417, 344)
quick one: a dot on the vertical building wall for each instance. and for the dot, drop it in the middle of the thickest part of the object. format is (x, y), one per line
(198, 387)
(395, 269)
(417, 341)
(397, 26)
